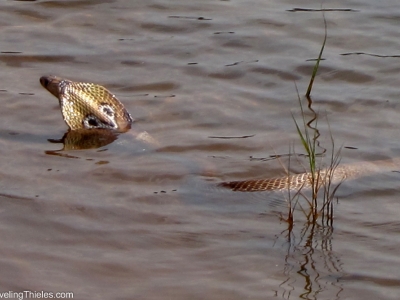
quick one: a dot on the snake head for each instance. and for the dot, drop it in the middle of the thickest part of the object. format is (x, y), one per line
(88, 105)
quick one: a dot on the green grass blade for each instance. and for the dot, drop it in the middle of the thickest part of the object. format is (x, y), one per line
(316, 66)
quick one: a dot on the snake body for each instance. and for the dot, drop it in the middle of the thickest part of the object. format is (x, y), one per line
(324, 177)
(296, 182)
(90, 110)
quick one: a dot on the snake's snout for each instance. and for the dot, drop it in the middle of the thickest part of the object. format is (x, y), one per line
(51, 83)
(44, 81)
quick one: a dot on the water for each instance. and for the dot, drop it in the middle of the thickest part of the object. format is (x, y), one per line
(136, 221)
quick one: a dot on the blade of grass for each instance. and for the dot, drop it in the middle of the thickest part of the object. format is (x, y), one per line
(316, 66)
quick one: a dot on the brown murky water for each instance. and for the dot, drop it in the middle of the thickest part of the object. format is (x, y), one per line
(134, 221)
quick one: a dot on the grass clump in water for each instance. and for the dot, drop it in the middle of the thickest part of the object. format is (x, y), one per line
(322, 181)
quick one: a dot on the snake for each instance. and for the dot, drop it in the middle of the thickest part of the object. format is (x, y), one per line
(91, 111)
(88, 105)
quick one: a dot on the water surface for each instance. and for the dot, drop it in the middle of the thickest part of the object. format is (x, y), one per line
(136, 221)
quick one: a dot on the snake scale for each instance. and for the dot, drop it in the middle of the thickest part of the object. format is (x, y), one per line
(90, 108)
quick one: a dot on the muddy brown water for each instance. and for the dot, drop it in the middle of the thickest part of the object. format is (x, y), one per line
(134, 221)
